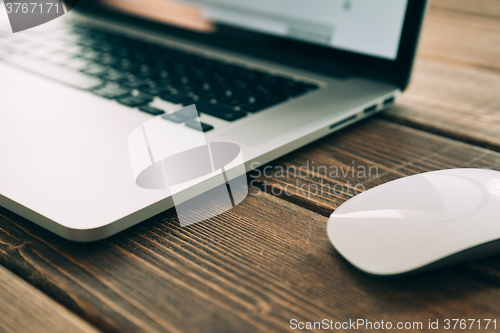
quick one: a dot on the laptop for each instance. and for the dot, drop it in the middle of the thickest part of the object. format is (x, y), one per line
(269, 76)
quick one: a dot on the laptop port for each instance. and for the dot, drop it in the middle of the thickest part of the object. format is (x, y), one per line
(342, 122)
(370, 109)
(389, 101)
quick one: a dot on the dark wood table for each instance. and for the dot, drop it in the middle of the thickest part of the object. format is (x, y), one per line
(268, 261)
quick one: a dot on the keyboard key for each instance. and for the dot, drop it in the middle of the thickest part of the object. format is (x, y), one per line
(189, 101)
(126, 65)
(310, 86)
(133, 82)
(112, 92)
(232, 100)
(58, 58)
(151, 110)
(197, 125)
(89, 54)
(113, 76)
(95, 69)
(189, 112)
(299, 88)
(135, 101)
(152, 89)
(175, 117)
(173, 98)
(219, 112)
(77, 64)
(206, 94)
(57, 73)
(262, 103)
(145, 71)
(107, 59)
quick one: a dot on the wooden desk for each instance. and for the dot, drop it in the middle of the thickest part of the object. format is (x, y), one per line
(268, 260)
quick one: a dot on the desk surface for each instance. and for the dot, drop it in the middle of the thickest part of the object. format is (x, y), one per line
(268, 260)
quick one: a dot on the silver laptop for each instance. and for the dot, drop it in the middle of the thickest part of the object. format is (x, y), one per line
(267, 75)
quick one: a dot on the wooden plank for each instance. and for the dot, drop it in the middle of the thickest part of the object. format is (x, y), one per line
(460, 103)
(479, 7)
(260, 265)
(455, 87)
(462, 39)
(360, 157)
(23, 308)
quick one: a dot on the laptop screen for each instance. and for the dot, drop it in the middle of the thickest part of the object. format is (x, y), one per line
(362, 26)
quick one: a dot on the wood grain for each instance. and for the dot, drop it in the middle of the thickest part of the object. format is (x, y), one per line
(481, 7)
(23, 308)
(456, 83)
(389, 150)
(462, 39)
(461, 104)
(260, 265)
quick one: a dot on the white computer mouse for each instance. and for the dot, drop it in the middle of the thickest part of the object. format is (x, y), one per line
(420, 222)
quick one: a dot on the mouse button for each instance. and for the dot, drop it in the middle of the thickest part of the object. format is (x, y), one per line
(390, 247)
(385, 247)
(493, 187)
(437, 197)
(394, 214)
(409, 193)
(457, 196)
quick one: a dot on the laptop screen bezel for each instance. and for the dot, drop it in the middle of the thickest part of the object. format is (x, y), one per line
(300, 54)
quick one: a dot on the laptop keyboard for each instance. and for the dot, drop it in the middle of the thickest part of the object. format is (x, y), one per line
(134, 72)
